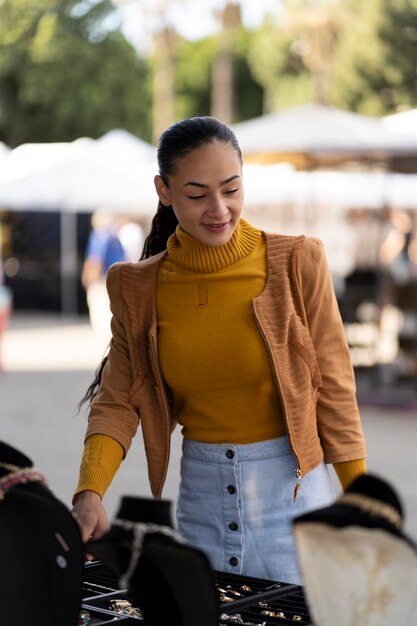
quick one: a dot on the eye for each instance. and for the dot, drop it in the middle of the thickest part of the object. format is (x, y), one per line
(231, 191)
(195, 197)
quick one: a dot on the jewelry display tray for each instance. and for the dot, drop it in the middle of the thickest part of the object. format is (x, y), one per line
(242, 600)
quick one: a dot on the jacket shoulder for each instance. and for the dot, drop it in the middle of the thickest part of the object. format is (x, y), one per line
(300, 245)
(279, 239)
(282, 248)
(119, 272)
(124, 279)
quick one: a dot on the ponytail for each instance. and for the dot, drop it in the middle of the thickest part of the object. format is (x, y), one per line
(163, 225)
(92, 390)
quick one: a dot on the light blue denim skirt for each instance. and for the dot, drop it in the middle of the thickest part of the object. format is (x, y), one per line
(236, 504)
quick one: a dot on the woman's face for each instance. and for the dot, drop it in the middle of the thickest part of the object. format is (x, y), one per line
(206, 192)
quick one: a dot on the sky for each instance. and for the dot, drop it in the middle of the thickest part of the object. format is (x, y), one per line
(193, 19)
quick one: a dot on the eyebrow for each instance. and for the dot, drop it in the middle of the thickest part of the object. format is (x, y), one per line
(194, 183)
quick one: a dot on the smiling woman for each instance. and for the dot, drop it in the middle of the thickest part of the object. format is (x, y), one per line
(235, 335)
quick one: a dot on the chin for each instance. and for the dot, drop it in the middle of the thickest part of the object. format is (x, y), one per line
(218, 239)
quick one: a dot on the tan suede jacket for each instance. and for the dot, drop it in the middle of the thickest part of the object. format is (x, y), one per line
(298, 317)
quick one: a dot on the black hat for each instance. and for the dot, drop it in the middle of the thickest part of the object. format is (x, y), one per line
(358, 565)
(40, 546)
(171, 582)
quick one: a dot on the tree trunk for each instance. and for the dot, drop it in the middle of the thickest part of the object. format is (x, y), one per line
(163, 82)
(222, 88)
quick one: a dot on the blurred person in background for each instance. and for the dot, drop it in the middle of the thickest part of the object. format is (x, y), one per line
(132, 238)
(103, 249)
(235, 334)
(5, 307)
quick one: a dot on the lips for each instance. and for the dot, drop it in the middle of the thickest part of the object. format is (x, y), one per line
(216, 227)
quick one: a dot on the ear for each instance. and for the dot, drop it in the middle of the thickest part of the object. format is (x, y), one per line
(162, 190)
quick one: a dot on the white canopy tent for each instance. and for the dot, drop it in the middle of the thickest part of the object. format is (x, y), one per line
(4, 150)
(404, 122)
(282, 185)
(319, 133)
(116, 170)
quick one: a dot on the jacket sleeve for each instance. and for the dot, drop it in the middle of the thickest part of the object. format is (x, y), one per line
(338, 421)
(111, 412)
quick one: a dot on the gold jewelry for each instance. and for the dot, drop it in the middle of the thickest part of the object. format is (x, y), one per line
(87, 587)
(273, 586)
(270, 613)
(224, 598)
(124, 607)
(263, 604)
(237, 619)
(372, 506)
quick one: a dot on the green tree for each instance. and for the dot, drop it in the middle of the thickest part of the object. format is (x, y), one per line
(361, 56)
(193, 76)
(277, 65)
(67, 71)
(249, 93)
(193, 72)
(374, 66)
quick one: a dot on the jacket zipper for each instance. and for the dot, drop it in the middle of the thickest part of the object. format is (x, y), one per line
(298, 473)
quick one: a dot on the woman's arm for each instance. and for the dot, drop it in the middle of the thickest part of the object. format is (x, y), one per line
(338, 419)
(112, 423)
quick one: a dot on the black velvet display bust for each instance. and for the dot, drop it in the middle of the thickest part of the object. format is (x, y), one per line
(40, 546)
(145, 510)
(172, 583)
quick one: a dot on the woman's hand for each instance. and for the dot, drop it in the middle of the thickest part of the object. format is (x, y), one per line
(90, 514)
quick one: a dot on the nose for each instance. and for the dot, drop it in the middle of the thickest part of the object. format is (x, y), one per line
(218, 207)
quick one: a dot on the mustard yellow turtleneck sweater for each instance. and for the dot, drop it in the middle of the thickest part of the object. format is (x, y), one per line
(211, 353)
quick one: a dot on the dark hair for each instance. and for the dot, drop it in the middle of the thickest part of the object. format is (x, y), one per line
(175, 143)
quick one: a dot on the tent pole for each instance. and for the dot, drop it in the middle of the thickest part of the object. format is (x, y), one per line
(68, 263)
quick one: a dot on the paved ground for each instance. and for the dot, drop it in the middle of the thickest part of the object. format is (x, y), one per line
(48, 363)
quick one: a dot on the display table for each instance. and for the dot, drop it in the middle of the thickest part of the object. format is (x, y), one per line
(242, 600)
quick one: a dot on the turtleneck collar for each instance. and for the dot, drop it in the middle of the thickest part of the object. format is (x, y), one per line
(193, 255)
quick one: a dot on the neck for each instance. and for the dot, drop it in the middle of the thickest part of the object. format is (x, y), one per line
(196, 256)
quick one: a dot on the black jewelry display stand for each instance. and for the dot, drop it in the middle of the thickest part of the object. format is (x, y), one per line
(145, 510)
(170, 581)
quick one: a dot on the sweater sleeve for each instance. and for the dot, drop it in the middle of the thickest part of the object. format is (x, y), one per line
(100, 461)
(348, 471)
(111, 412)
